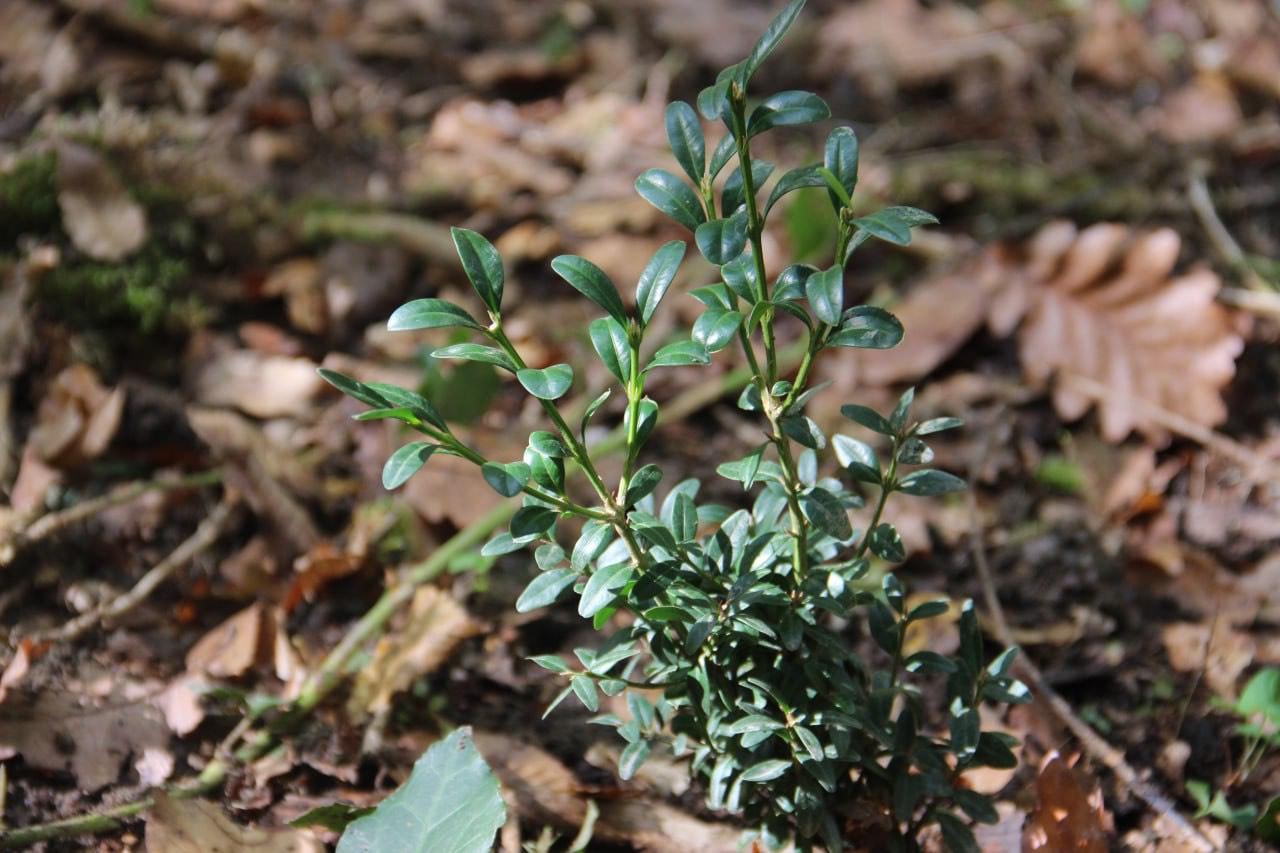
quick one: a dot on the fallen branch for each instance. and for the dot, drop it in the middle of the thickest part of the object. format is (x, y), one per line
(1093, 743)
(204, 536)
(336, 665)
(47, 525)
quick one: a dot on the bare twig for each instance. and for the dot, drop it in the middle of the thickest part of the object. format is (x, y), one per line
(46, 525)
(1264, 303)
(1223, 243)
(204, 536)
(1098, 748)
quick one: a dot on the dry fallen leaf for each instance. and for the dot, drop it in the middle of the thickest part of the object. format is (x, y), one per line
(1065, 817)
(264, 386)
(437, 625)
(77, 418)
(1204, 110)
(1220, 652)
(195, 826)
(253, 637)
(1101, 304)
(101, 217)
(91, 739)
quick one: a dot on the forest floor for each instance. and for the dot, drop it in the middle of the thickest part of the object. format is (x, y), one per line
(201, 201)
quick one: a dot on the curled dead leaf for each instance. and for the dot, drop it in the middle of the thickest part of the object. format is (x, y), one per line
(1066, 817)
(101, 217)
(77, 418)
(195, 826)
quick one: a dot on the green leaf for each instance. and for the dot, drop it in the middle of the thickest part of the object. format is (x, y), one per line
(722, 154)
(805, 176)
(642, 483)
(405, 462)
(765, 771)
(852, 452)
(713, 103)
(826, 513)
(679, 354)
(929, 609)
(887, 544)
(715, 328)
(841, 159)
(500, 544)
(547, 444)
(543, 591)
(352, 388)
(334, 817)
(751, 723)
(532, 521)
(429, 314)
(956, 834)
(684, 132)
(482, 264)
(585, 689)
(450, 804)
(596, 536)
(549, 383)
(592, 408)
(733, 196)
(869, 418)
(591, 281)
(609, 337)
(791, 281)
(868, 327)
(507, 480)
(1261, 695)
(938, 425)
(930, 482)
(411, 400)
(744, 470)
(893, 224)
(804, 431)
(825, 291)
(647, 419)
(777, 29)
(602, 588)
(476, 352)
(672, 196)
(722, 240)
(787, 108)
(898, 417)
(552, 663)
(657, 277)
(741, 278)
(632, 757)
(400, 414)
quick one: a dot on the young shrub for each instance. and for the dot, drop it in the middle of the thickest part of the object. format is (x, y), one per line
(733, 655)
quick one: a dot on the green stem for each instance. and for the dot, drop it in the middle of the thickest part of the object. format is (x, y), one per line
(755, 230)
(635, 390)
(886, 489)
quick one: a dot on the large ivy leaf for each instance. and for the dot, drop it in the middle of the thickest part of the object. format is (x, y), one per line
(450, 804)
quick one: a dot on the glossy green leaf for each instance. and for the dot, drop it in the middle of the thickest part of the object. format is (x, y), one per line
(792, 280)
(765, 771)
(482, 264)
(745, 469)
(741, 278)
(898, 417)
(804, 431)
(596, 536)
(476, 352)
(406, 462)
(715, 329)
(429, 314)
(826, 513)
(956, 834)
(549, 383)
(679, 354)
(609, 337)
(840, 157)
(544, 590)
(411, 400)
(657, 277)
(672, 196)
(632, 757)
(592, 408)
(449, 804)
(602, 588)
(894, 224)
(684, 132)
(930, 482)
(400, 414)
(642, 483)
(869, 418)
(751, 723)
(825, 291)
(733, 196)
(507, 480)
(591, 281)
(772, 36)
(334, 817)
(352, 388)
(684, 518)
(722, 240)
(713, 101)
(585, 689)
(787, 108)
(647, 419)
(887, 544)
(532, 521)
(938, 425)
(547, 444)
(805, 176)
(722, 154)
(868, 327)
(858, 458)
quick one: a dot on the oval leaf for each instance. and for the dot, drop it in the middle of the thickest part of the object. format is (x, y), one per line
(684, 132)
(609, 338)
(722, 240)
(476, 352)
(672, 196)
(825, 291)
(841, 159)
(549, 383)
(602, 588)
(657, 277)
(591, 281)
(867, 327)
(506, 480)
(482, 264)
(406, 462)
(429, 314)
(544, 589)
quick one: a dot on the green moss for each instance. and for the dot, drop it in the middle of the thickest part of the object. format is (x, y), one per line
(143, 292)
(29, 199)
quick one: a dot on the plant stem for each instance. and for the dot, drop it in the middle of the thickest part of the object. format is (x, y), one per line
(755, 230)
(886, 489)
